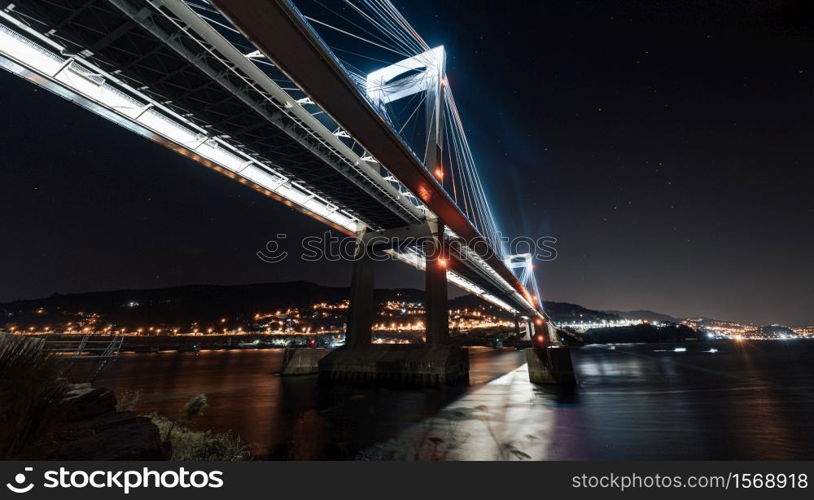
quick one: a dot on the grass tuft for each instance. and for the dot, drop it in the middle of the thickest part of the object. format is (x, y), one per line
(191, 445)
(32, 396)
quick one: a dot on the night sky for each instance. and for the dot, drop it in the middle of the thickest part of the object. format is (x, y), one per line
(667, 145)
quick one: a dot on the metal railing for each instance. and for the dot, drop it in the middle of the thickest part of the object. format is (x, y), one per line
(101, 351)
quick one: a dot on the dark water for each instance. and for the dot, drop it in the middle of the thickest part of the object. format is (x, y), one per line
(646, 401)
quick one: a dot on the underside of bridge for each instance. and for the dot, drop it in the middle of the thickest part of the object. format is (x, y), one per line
(175, 74)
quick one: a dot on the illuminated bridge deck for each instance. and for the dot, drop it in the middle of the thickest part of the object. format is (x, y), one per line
(120, 46)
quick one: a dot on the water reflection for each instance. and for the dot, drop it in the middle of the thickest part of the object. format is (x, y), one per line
(744, 401)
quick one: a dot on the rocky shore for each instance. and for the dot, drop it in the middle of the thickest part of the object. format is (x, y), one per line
(95, 430)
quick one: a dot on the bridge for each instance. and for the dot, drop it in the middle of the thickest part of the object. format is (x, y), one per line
(270, 94)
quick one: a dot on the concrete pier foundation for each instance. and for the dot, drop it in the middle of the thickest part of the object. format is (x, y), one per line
(550, 365)
(412, 365)
(302, 361)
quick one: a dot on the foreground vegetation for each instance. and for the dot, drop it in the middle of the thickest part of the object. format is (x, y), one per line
(44, 416)
(32, 397)
(186, 443)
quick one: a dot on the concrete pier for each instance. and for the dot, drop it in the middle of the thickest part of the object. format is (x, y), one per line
(412, 365)
(302, 361)
(550, 365)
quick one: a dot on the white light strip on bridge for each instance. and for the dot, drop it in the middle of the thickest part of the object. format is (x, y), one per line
(84, 79)
(416, 260)
(213, 42)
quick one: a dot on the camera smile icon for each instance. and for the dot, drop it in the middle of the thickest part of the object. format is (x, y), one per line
(20, 479)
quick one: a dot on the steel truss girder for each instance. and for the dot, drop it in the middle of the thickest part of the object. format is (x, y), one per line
(288, 124)
(35, 57)
(144, 75)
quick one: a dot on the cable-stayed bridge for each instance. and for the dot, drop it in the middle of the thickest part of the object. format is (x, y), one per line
(339, 110)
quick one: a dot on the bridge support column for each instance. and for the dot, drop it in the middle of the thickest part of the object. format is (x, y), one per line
(302, 361)
(435, 288)
(362, 309)
(432, 363)
(361, 313)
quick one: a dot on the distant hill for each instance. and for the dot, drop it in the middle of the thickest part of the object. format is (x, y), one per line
(207, 303)
(776, 330)
(178, 304)
(640, 333)
(645, 315)
(564, 312)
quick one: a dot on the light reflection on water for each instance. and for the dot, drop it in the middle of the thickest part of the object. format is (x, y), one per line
(746, 401)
